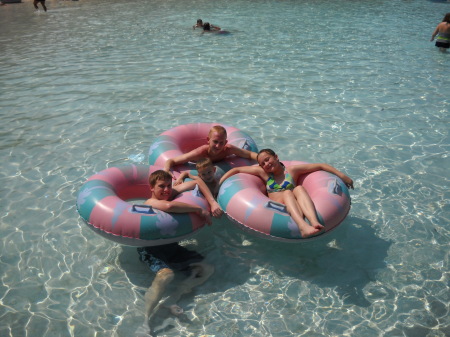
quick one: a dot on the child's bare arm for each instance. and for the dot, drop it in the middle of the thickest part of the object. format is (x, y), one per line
(186, 157)
(242, 152)
(181, 178)
(189, 185)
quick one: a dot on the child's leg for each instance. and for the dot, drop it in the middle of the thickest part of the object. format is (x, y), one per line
(156, 291)
(307, 206)
(295, 211)
(200, 273)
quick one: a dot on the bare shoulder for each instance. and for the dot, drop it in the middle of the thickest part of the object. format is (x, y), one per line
(158, 204)
(230, 149)
(254, 170)
(193, 155)
(201, 151)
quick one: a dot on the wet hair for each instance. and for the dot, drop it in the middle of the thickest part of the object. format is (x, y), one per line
(268, 151)
(446, 18)
(203, 163)
(159, 175)
(200, 22)
(206, 26)
(219, 129)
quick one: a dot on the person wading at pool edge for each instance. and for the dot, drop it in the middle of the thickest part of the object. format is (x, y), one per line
(443, 29)
(42, 2)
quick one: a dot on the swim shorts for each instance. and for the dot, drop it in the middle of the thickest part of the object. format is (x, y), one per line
(442, 44)
(171, 256)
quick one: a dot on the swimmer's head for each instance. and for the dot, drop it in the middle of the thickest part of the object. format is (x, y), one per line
(159, 175)
(206, 26)
(217, 139)
(206, 170)
(219, 129)
(160, 183)
(446, 18)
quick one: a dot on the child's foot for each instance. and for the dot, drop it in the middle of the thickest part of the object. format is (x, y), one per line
(317, 225)
(310, 231)
(175, 310)
(143, 331)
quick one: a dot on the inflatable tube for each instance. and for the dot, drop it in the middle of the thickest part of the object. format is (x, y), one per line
(102, 204)
(244, 199)
(185, 138)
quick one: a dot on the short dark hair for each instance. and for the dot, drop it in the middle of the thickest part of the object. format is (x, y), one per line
(159, 175)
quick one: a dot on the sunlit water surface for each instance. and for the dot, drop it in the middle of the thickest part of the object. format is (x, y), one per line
(357, 84)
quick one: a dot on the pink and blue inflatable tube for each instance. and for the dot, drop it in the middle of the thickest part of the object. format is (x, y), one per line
(244, 199)
(102, 203)
(185, 138)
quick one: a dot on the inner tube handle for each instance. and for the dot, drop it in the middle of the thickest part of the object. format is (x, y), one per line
(146, 209)
(335, 187)
(276, 206)
(245, 145)
(196, 192)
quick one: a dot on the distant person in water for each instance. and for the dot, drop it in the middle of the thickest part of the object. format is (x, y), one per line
(42, 2)
(198, 24)
(209, 28)
(443, 32)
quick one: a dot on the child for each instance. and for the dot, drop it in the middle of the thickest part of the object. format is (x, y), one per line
(164, 260)
(281, 187)
(163, 194)
(206, 172)
(216, 149)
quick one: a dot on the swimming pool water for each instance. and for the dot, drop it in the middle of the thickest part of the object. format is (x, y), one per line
(90, 84)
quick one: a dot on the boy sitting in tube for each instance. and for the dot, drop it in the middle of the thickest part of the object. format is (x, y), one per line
(216, 149)
(206, 172)
(164, 260)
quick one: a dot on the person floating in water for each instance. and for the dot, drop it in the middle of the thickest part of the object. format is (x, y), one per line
(443, 29)
(198, 24)
(282, 187)
(42, 2)
(206, 172)
(209, 28)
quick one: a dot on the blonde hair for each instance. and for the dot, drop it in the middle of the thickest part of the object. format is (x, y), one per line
(219, 129)
(159, 175)
(203, 163)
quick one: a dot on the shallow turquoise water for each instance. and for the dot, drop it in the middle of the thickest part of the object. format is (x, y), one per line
(90, 84)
